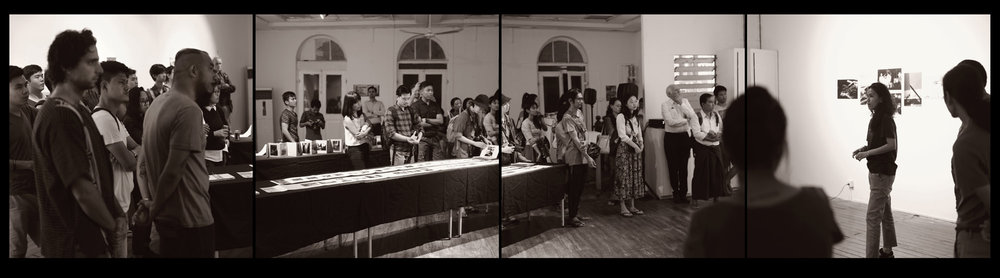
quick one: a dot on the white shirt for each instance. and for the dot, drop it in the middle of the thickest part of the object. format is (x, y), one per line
(677, 115)
(709, 122)
(373, 110)
(114, 131)
(356, 123)
(625, 130)
(213, 155)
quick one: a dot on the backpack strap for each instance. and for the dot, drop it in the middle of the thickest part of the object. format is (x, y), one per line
(90, 147)
(98, 109)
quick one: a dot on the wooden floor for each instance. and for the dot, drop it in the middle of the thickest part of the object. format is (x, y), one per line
(406, 239)
(918, 236)
(247, 252)
(660, 233)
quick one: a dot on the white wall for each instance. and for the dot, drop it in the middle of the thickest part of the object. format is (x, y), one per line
(371, 59)
(139, 41)
(605, 52)
(664, 36)
(816, 50)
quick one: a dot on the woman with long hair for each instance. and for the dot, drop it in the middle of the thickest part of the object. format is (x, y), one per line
(533, 129)
(573, 151)
(881, 155)
(356, 133)
(629, 182)
(610, 129)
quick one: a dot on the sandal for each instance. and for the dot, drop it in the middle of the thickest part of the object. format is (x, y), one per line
(626, 214)
(637, 212)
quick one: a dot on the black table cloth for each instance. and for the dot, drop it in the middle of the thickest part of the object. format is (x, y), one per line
(241, 152)
(272, 168)
(527, 191)
(232, 208)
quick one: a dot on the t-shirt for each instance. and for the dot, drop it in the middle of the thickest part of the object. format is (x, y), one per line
(970, 169)
(289, 117)
(800, 227)
(113, 131)
(880, 127)
(22, 181)
(430, 111)
(313, 132)
(464, 123)
(60, 158)
(717, 231)
(174, 122)
(572, 126)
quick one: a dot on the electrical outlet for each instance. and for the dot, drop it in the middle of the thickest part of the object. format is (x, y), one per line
(850, 184)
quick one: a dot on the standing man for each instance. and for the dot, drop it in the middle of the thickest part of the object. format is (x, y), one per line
(36, 83)
(677, 112)
(226, 89)
(72, 170)
(23, 201)
(432, 121)
(159, 74)
(374, 110)
(289, 119)
(174, 150)
(402, 127)
(118, 142)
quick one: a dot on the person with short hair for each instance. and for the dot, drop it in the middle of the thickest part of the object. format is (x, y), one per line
(173, 158)
(75, 180)
(677, 114)
(159, 74)
(881, 154)
(22, 193)
(402, 126)
(313, 121)
(226, 90)
(36, 84)
(289, 119)
(431, 121)
(967, 100)
(119, 144)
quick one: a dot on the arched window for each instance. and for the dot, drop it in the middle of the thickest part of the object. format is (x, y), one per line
(562, 65)
(422, 58)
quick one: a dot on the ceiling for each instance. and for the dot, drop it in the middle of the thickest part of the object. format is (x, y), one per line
(340, 21)
(589, 22)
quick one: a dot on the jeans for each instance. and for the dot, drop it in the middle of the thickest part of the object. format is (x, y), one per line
(400, 158)
(429, 149)
(119, 239)
(970, 244)
(23, 223)
(180, 242)
(358, 155)
(879, 216)
(574, 188)
(677, 147)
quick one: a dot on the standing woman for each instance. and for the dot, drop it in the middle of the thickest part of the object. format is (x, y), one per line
(611, 130)
(970, 162)
(881, 155)
(629, 183)
(138, 101)
(573, 151)
(534, 130)
(356, 136)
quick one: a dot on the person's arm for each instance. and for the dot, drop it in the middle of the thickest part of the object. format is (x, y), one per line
(526, 131)
(437, 120)
(488, 122)
(72, 165)
(89, 198)
(698, 130)
(579, 145)
(121, 153)
(285, 133)
(620, 124)
(352, 128)
(889, 129)
(669, 118)
(390, 128)
(303, 122)
(321, 120)
(131, 144)
(169, 179)
(461, 124)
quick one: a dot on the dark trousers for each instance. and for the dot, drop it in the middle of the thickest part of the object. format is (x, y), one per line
(677, 147)
(179, 242)
(140, 233)
(574, 188)
(358, 155)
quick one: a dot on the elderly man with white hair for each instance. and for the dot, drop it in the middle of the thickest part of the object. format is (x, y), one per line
(677, 112)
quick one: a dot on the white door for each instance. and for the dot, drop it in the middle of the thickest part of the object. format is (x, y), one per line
(411, 77)
(764, 73)
(327, 86)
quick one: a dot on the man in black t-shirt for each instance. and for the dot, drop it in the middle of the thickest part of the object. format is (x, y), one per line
(432, 121)
(23, 202)
(75, 182)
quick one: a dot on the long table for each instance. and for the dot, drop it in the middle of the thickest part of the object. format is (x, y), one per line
(232, 207)
(292, 219)
(532, 188)
(272, 168)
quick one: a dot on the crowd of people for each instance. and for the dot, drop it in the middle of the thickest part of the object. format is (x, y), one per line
(100, 159)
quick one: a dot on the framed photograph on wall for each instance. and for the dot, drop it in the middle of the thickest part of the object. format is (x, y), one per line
(847, 89)
(862, 95)
(336, 145)
(897, 100)
(892, 78)
(365, 90)
(611, 92)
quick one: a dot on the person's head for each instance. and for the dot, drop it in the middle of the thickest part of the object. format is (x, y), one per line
(720, 94)
(352, 108)
(170, 74)
(217, 62)
(674, 93)
(73, 60)
(964, 96)
(466, 103)
(456, 104)
(138, 101)
(707, 102)
(504, 105)
(403, 95)
(158, 72)
(195, 72)
(529, 104)
(214, 98)
(479, 104)
(315, 104)
(980, 70)
(879, 99)
(289, 99)
(114, 82)
(630, 107)
(494, 103)
(133, 81)
(35, 76)
(614, 107)
(18, 92)
(768, 136)
(570, 101)
(426, 90)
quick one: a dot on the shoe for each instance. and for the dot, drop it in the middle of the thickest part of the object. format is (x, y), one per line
(576, 224)
(637, 212)
(583, 218)
(883, 255)
(626, 214)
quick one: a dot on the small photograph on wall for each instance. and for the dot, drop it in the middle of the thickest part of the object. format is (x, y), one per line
(911, 96)
(611, 92)
(365, 90)
(892, 78)
(897, 99)
(847, 89)
(863, 95)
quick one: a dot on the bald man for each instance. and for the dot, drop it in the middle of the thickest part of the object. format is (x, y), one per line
(226, 89)
(677, 112)
(174, 160)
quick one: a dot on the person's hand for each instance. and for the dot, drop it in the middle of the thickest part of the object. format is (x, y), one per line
(508, 149)
(855, 152)
(205, 128)
(590, 161)
(861, 155)
(221, 133)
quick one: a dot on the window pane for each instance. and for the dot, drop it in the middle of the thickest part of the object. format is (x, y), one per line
(322, 49)
(423, 49)
(561, 49)
(337, 54)
(546, 55)
(574, 55)
(436, 52)
(408, 51)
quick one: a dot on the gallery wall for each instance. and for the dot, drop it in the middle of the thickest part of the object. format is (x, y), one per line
(814, 51)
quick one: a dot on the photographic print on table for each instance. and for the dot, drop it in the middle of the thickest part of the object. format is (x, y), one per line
(320, 146)
(892, 78)
(366, 90)
(272, 149)
(336, 145)
(847, 89)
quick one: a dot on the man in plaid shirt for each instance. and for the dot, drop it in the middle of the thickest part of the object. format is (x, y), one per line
(402, 126)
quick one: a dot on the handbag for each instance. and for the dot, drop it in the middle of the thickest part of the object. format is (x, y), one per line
(604, 142)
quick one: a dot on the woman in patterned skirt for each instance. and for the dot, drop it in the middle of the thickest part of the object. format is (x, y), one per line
(629, 183)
